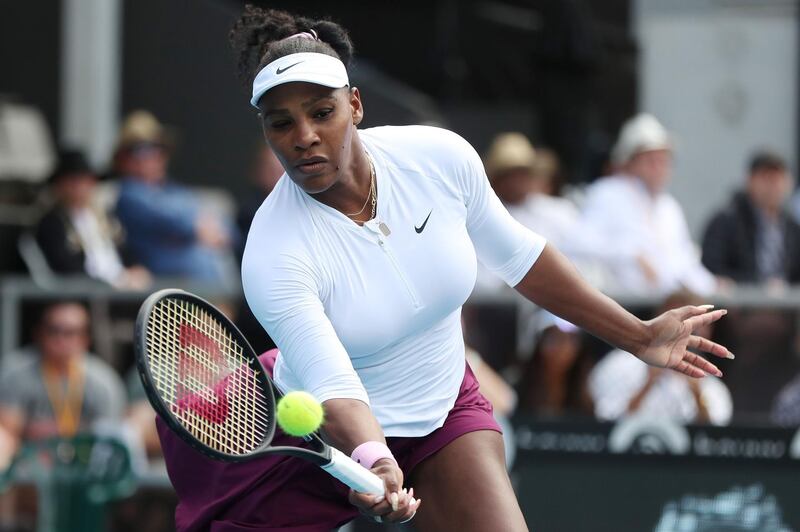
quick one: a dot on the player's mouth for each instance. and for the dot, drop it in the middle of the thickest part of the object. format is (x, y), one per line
(312, 165)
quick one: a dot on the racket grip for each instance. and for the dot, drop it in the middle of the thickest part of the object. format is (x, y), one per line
(354, 475)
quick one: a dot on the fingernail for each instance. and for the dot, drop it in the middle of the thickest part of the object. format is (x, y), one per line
(724, 311)
(378, 499)
(707, 306)
(411, 492)
(731, 355)
(393, 497)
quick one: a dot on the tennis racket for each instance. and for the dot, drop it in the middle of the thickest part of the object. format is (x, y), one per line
(207, 384)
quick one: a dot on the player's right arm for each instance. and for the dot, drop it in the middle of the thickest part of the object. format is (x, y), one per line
(283, 291)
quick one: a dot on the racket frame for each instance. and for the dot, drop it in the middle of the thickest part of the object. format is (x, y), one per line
(321, 456)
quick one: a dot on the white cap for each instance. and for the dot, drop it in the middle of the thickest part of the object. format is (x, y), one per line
(641, 133)
(310, 67)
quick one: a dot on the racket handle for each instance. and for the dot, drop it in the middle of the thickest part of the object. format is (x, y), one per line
(354, 475)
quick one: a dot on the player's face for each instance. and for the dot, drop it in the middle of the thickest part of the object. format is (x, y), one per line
(311, 129)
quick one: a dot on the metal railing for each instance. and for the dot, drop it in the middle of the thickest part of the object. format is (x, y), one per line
(15, 291)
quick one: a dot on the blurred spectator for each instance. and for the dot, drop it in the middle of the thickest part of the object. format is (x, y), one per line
(265, 172)
(633, 226)
(554, 381)
(63, 390)
(754, 239)
(78, 237)
(622, 385)
(525, 180)
(140, 415)
(786, 408)
(167, 229)
(496, 390)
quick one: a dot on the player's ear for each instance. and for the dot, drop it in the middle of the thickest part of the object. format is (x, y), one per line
(355, 106)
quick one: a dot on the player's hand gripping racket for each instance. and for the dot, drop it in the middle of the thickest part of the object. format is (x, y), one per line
(207, 384)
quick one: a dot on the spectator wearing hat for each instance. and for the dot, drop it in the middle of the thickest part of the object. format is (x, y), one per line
(633, 227)
(62, 390)
(167, 229)
(78, 237)
(754, 238)
(525, 181)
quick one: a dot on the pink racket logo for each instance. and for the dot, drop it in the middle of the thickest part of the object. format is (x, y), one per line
(190, 368)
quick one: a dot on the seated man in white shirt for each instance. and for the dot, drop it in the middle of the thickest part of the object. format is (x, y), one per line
(633, 226)
(621, 385)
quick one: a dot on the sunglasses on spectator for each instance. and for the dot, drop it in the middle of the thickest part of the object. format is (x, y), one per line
(145, 149)
(58, 330)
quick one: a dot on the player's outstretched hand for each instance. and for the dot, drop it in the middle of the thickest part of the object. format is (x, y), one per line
(672, 334)
(396, 505)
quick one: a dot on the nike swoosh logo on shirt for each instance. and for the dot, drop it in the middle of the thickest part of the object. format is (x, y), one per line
(421, 228)
(282, 70)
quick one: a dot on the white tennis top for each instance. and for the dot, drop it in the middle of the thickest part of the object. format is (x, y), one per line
(358, 313)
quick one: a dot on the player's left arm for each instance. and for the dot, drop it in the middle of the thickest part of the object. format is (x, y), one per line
(554, 284)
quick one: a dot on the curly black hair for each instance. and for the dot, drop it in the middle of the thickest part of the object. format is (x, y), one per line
(257, 38)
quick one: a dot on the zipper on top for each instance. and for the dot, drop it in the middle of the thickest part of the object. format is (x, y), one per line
(380, 229)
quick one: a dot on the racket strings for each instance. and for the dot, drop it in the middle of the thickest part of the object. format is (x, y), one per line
(203, 375)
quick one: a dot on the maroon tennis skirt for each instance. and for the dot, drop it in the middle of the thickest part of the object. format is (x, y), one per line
(284, 493)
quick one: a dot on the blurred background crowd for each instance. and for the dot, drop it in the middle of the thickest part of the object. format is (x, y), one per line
(655, 143)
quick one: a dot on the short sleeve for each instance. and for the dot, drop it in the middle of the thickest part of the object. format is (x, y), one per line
(503, 245)
(283, 293)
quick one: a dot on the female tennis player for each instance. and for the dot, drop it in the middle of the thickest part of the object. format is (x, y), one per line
(357, 265)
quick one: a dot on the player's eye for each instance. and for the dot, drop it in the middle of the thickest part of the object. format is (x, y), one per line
(279, 124)
(323, 113)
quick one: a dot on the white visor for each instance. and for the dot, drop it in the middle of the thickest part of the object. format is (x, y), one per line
(310, 67)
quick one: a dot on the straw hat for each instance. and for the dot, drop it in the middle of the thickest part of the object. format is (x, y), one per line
(509, 151)
(641, 133)
(142, 127)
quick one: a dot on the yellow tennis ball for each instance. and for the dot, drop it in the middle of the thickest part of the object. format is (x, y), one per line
(299, 413)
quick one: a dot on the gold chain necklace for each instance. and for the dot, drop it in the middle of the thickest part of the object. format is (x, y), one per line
(372, 196)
